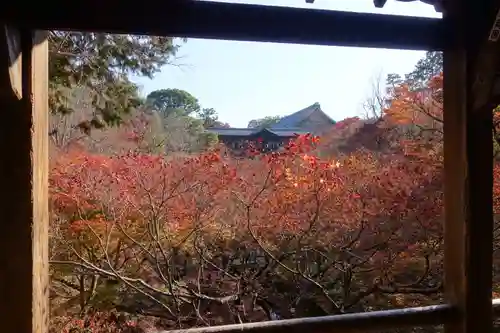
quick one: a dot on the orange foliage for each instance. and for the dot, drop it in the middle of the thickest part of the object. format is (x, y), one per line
(422, 107)
(351, 232)
(373, 214)
(92, 189)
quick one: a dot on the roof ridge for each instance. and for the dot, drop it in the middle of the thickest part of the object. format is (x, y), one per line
(297, 117)
(315, 105)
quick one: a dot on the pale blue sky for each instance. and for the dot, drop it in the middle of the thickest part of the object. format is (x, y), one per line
(247, 80)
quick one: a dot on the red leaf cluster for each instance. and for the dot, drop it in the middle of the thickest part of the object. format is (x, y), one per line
(360, 199)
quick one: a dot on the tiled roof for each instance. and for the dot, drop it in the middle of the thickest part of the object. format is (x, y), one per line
(296, 118)
(232, 131)
(285, 132)
(287, 127)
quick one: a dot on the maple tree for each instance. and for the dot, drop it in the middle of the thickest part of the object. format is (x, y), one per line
(209, 239)
(421, 111)
(348, 222)
(201, 240)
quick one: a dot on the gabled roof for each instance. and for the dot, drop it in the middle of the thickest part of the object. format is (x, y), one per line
(231, 131)
(287, 131)
(288, 126)
(283, 132)
(294, 120)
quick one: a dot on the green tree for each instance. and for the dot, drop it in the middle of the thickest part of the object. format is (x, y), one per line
(166, 101)
(209, 117)
(221, 124)
(426, 68)
(186, 134)
(263, 122)
(393, 80)
(101, 64)
(184, 121)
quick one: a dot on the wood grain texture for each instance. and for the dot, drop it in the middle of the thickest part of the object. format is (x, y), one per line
(236, 21)
(24, 182)
(468, 169)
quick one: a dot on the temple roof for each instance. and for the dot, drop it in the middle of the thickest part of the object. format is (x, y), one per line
(282, 132)
(288, 126)
(294, 120)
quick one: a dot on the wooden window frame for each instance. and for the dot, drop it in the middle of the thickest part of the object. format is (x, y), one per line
(467, 111)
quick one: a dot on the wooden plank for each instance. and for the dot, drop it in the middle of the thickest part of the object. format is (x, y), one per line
(214, 20)
(24, 182)
(468, 174)
(374, 321)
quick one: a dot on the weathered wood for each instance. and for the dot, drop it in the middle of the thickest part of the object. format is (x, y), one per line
(468, 142)
(468, 170)
(231, 21)
(375, 321)
(24, 182)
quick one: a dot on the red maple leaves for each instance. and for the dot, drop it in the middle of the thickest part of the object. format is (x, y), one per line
(273, 195)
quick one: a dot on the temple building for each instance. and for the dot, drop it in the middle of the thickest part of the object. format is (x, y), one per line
(308, 120)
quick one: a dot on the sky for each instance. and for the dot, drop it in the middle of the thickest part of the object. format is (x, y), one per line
(248, 80)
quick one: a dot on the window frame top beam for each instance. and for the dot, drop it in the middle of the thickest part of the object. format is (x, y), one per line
(240, 22)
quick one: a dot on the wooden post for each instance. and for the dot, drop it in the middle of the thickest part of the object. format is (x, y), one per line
(468, 171)
(24, 181)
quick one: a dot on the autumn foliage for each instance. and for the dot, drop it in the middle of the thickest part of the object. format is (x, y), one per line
(421, 107)
(201, 240)
(207, 239)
